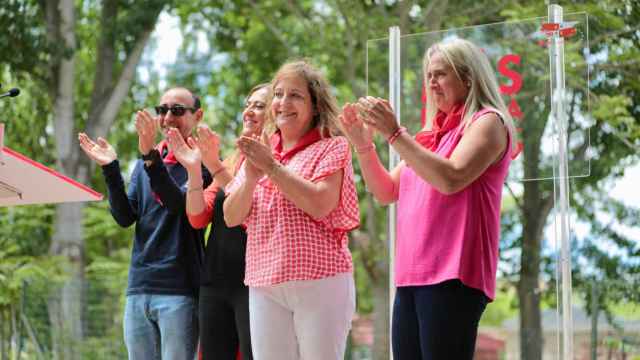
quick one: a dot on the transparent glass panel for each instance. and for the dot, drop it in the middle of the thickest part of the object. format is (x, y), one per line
(518, 51)
(378, 68)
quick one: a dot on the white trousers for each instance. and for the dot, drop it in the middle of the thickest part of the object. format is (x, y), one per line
(302, 320)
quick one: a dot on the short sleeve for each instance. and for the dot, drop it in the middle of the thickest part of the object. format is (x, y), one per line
(346, 215)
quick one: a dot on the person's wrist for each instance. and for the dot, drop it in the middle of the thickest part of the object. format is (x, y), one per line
(145, 150)
(150, 157)
(194, 184)
(146, 145)
(253, 174)
(396, 134)
(106, 162)
(363, 149)
(211, 162)
(195, 171)
(273, 169)
(218, 171)
(194, 189)
(214, 164)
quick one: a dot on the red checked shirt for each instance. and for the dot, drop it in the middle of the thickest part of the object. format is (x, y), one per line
(283, 242)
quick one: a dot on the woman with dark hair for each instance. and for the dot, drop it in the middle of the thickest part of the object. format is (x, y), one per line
(223, 298)
(297, 197)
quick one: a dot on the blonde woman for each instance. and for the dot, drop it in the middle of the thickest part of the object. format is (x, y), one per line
(297, 197)
(448, 191)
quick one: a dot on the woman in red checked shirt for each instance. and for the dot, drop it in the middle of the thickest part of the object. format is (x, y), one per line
(223, 298)
(297, 197)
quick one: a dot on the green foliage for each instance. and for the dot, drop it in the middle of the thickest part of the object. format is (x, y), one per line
(24, 234)
(107, 279)
(627, 310)
(103, 237)
(17, 269)
(22, 37)
(26, 117)
(505, 306)
(364, 301)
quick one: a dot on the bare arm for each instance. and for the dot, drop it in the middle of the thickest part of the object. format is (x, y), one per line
(237, 205)
(190, 158)
(483, 142)
(123, 205)
(208, 142)
(380, 182)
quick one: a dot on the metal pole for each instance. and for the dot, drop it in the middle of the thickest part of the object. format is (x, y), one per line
(561, 180)
(394, 99)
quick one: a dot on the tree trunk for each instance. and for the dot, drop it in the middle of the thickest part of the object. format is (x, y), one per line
(535, 212)
(15, 334)
(3, 349)
(530, 323)
(528, 289)
(66, 303)
(595, 311)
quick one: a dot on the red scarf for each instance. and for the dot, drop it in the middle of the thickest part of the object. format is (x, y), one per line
(283, 156)
(169, 158)
(442, 124)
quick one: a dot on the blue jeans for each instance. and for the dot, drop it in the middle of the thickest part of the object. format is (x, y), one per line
(161, 327)
(434, 322)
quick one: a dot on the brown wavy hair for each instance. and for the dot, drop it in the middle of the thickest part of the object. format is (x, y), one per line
(325, 106)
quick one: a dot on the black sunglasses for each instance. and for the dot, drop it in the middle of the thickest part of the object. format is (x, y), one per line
(176, 110)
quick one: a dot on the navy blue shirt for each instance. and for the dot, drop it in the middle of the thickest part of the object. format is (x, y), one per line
(167, 252)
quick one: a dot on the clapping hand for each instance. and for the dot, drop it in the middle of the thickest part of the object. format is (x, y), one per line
(208, 142)
(101, 151)
(378, 114)
(147, 128)
(258, 155)
(359, 134)
(187, 153)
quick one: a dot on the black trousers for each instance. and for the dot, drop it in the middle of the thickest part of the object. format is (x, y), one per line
(224, 323)
(435, 322)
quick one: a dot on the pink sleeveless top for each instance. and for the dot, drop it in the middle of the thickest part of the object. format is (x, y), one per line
(443, 237)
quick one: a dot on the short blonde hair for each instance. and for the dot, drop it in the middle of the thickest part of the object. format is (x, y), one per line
(471, 65)
(325, 106)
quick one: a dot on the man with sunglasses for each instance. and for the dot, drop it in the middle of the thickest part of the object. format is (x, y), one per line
(160, 318)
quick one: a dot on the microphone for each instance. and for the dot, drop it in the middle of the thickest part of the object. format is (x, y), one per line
(11, 93)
